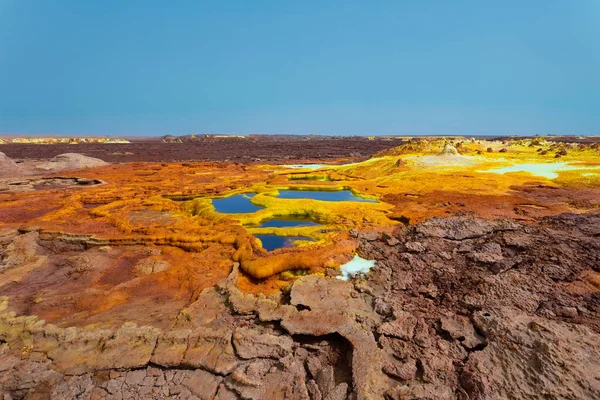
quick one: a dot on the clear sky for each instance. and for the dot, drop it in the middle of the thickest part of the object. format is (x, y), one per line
(148, 67)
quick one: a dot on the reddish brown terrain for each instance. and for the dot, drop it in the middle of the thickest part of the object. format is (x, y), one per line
(120, 280)
(252, 148)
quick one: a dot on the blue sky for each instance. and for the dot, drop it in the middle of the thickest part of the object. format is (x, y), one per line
(147, 67)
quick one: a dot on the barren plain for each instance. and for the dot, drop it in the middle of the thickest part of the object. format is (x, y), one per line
(301, 268)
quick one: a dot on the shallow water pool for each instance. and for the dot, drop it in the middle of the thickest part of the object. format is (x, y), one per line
(274, 242)
(305, 166)
(237, 204)
(322, 195)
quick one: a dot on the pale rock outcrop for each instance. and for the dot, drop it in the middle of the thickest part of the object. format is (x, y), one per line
(70, 161)
(9, 168)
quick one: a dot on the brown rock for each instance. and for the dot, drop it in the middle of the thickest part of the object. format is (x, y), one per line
(202, 384)
(134, 378)
(429, 290)
(393, 241)
(460, 228)
(171, 347)
(402, 327)
(339, 393)
(568, 312)
(252, 344)
(224, 393)
(313, 364)
(369, 236)
(564, 358)
(211, 349)
(414, 247)
(313, 390)
(488, 253)
(461, 329)
(325, 380)
(149, 266)
(403, 370)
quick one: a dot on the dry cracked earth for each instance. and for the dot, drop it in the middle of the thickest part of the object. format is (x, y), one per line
(457, 307)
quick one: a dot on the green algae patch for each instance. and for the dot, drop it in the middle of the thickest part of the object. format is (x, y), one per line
(309, 177)
(325, 212)
(293, 275)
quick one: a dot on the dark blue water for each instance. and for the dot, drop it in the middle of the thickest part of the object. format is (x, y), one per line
(273, 242)
(340, 195)
(287, 222)
(235, 204)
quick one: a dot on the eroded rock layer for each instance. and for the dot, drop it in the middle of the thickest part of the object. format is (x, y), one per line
(456, 307)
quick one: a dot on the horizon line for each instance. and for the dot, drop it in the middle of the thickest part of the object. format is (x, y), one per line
(95, 135)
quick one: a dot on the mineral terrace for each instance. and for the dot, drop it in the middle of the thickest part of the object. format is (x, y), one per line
(121, 279)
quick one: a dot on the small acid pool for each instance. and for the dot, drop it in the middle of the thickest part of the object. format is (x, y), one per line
(547, 170)
(237, 204)
(357, 265)
(323, 195)
(288, 222)
(274, 242)
(304, 166)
